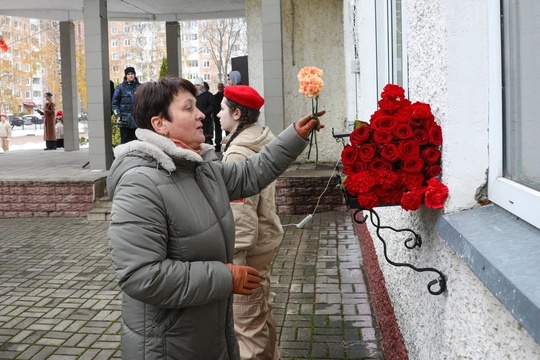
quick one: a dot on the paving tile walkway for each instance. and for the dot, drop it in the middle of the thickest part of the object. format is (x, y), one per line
(59, 299)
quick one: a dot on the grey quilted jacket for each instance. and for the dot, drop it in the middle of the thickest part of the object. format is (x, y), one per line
(170, 236)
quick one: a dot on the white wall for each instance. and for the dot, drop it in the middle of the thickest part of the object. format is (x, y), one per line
(448, 68)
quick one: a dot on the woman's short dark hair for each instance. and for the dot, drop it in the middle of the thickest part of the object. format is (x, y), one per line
(153, 98)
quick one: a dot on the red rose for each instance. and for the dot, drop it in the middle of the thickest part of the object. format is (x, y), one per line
(382, 137)
(436, 194)
(389, 152)
(360, 135)
(367, 200)
(383, 123)
(366, 152)
(379, 165)
(408, 149)
(412, 200)
(435, 135)
(403, 131)
(349, 156)
(413, 165)
(421, 136)
(355, 168)
(431, 155)
(432, 171)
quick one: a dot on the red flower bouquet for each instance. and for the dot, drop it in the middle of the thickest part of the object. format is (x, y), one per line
(395, 159)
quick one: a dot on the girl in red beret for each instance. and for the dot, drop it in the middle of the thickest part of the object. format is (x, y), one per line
(258, 228)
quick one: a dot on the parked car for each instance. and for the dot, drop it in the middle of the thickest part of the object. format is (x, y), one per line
(15, 120)
(29, 119)
(37, 120)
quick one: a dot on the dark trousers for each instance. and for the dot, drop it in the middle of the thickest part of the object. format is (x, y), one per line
(59, 143)
(51, 145)
(208, 130)
(127, 135)
(218, 136)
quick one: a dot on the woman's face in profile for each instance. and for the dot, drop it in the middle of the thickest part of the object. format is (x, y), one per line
(186, 120)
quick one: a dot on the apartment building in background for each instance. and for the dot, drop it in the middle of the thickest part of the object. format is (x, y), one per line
(31, 67)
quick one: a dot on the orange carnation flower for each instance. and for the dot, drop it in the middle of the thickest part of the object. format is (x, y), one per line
(310, 80)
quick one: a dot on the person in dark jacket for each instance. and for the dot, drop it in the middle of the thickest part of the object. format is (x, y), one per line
(205, 103)
(122, 105)
(171, 233)
(218, 132)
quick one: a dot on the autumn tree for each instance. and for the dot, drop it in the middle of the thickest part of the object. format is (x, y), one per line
(147, 47)
(222, 39)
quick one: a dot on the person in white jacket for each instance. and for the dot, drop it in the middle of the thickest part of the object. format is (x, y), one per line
(5, 132)
(257, 225)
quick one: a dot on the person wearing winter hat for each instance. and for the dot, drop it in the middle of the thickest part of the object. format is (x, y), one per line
(234, 78)
(205, 103)
(59, 129)
(5, 132)
(258, 228)
(122, 105)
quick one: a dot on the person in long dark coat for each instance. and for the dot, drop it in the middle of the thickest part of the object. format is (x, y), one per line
(49, 122)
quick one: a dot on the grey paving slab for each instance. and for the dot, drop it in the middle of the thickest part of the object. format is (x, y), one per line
(59, 298)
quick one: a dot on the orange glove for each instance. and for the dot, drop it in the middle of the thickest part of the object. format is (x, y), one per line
(305, 125)
(245, 279)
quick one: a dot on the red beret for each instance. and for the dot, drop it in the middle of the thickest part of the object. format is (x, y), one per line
(244, 95)
(59, 113)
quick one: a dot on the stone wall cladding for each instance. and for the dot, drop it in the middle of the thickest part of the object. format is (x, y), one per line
(299, 196)
(45, 199)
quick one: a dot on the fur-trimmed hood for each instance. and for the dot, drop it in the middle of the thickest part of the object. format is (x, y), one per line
(152, 150)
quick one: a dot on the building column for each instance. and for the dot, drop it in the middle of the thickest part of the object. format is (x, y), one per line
(272, 65)
(173, 41)
(68, 67)
(97, 84)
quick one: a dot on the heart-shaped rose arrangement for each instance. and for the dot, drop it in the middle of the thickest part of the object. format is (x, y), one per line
(395, 158)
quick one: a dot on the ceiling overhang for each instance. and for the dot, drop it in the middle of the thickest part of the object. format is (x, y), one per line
(127, 10)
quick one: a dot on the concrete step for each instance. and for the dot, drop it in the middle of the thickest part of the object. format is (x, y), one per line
(102, 210)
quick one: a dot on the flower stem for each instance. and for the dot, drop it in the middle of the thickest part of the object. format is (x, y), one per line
(313, 137)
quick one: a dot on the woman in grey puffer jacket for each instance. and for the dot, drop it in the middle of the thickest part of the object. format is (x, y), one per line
(172, 229)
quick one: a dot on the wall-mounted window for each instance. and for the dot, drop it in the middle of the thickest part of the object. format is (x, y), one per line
(27, 94)
(127, 55)
(206, 63)
(114, 30)
(115, 56)
(27, 81)
(37, 94)
(114, 42)
(127, 42)
(391, 40)
(514, 174)
(206, 77)
(126, 29)
(36, 81)
(193, 63)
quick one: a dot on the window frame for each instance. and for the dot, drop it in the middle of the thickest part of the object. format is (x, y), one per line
(516, 198)
(386, 26)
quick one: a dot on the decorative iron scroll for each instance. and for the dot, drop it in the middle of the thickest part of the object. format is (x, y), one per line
(412, 242)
